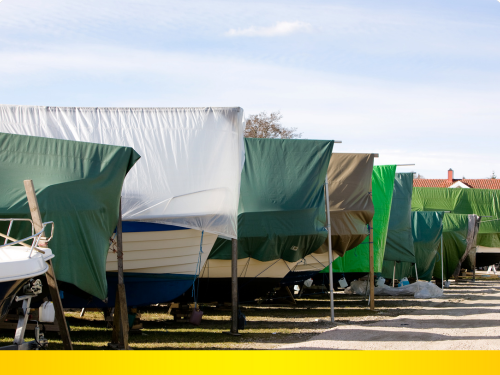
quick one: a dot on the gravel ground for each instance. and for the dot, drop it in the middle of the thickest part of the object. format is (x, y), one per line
(466, 318)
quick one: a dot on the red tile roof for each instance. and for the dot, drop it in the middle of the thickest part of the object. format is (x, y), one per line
(483, 183)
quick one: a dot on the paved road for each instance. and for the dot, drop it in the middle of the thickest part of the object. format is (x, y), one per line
(468, 317)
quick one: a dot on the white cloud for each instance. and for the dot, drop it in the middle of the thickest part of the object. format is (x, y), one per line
(280, 29)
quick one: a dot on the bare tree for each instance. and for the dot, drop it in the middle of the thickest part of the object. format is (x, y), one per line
(419, 176)
(268, 126)
(493, 176)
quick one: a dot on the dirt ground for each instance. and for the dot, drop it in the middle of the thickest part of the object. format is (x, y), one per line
(467, 317)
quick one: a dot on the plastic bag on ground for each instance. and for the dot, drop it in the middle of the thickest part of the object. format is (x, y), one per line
(420, 289)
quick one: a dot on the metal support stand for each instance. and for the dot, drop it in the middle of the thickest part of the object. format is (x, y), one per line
(330, 255)
(33, 288)
(119, 338)
(416, 271)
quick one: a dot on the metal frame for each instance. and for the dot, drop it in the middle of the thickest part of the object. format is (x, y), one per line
(35, 236)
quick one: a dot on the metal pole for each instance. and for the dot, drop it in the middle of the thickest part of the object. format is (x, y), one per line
(234, 286)
(394, 274)
(442, 264)
(330, 255)
(372, 269)
(416, 272)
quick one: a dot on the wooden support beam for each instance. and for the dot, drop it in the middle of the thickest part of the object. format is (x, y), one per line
(115, 336)
(290, 294)
(120, 321)
(372, 269)
(330, 254)
(36, 216)
(50, 274)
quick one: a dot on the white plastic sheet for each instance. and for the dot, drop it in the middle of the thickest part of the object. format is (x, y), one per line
(191, 158)
(420, 289)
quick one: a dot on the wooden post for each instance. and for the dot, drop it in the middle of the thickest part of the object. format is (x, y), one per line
(474, 267)
(330, 255)
(372, 269)
(234, 286)
(290, 294)
(442, 263)
(120, 320)
(50, 274)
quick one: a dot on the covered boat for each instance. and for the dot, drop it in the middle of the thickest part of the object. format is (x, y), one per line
(281, 217)
(182, 193)
(482, 206)
(355, 262)
(399, 245)
(351, 209)
(427, 228)
(459, 245)
(78, 187)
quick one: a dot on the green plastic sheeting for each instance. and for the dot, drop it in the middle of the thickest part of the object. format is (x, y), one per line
(482, 202)
(357, 259)
(399, 246)
(455, 229)
(426, 228)
(78, 187)
(281, 213)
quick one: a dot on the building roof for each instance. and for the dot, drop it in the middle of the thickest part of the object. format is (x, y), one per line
(482, 183)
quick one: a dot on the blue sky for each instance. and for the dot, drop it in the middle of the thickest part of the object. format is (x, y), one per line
(416, 81)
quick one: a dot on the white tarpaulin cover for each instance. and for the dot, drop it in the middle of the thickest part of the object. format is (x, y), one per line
(191, 158)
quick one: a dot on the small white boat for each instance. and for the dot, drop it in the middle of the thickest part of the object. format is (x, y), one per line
(20, 262)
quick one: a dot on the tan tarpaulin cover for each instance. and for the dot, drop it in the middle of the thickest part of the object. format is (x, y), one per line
(351, 207)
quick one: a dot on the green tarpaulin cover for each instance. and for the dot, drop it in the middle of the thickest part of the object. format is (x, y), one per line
(399, 245)
(426, 228)
(455, 229)
(281, 213)
(482, 202)
(357, 259)
(78, 187)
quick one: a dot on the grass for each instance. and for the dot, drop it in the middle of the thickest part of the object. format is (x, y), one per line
(268, 325)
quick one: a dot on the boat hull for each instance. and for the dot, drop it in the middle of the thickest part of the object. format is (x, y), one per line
(160, 264)
(255, 279)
